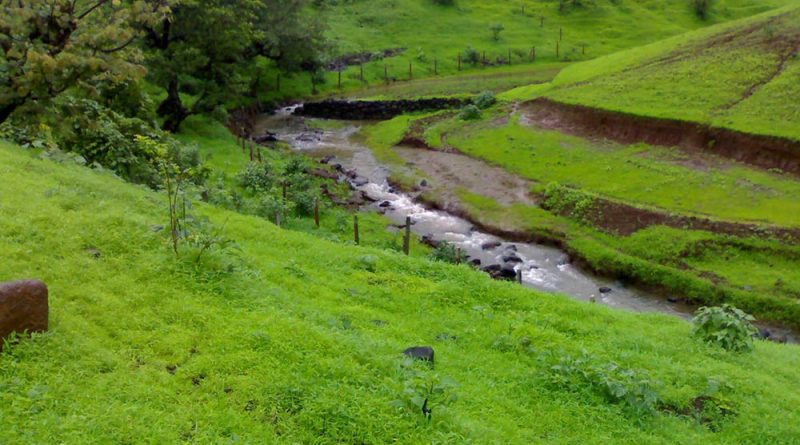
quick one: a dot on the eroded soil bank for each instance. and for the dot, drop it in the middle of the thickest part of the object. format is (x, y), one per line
(768, 152)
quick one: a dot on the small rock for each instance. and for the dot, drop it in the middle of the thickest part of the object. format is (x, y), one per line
(265, 138)
(23, 308)
(511, 247)
(157, 228)
(491, 245)
(228, 390)
(475, 262)
(605, 290)
(172, 369)
(423, 183)
(562, 261)
(327, 159)
(424, 353)
(508, 272)
(358, 181)
(385, 204)
(511, 259)
(94, 252)
(673, 299)
(764, 333)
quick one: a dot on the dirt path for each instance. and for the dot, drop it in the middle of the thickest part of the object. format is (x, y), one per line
(452, 172)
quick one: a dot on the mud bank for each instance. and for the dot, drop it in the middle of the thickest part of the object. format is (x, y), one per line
(374, 110)
(761, 151)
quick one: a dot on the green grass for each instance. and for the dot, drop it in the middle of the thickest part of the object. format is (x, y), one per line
(638, 174)
(434, 34)
(734, 76)
(283, 347)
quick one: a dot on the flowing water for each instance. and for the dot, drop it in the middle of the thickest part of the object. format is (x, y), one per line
(544, 268)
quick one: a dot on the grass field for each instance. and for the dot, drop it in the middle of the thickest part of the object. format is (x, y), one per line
(643, 175)
(741, 76)
(433, 36)
(296, 339)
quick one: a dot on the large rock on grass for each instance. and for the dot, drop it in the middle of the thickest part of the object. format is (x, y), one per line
(23, 308)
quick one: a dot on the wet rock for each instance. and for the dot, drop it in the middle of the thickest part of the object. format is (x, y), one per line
(491, 245)
(309, 137)
(511, 259)
(338, 168)
(327, 159)
(428, 240)
(508, 272)
(562, 261)
(423, 183)
(764, 333)
(385, 204)
(423, 353)
(492, 268)
(266, 138)
(605, 290)
(673, 299)
(475, 262)
(23, 308)
(326, 174)
(511, 247)
(359, 181)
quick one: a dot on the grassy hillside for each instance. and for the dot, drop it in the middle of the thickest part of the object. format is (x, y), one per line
(742, 76)
(433, 35)
(293, 339)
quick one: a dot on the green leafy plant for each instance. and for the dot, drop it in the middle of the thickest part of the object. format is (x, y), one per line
(469, 113)
(484, 100)
(496, 29)
(445, 252)
(424, 391)
(632, 389)
(725, 326)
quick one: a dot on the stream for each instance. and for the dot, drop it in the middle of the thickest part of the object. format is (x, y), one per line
(543, 268)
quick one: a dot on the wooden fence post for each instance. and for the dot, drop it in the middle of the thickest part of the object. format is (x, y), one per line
(458, 255)
(316, 212)
(519, 276)
(340, 80)
(355, 229)
(407, 237)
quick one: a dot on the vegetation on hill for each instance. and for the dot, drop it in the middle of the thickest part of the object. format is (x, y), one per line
(741, 76)
(292, 339)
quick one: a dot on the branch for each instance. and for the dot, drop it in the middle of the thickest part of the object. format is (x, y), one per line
(90, 10)
(118, 48)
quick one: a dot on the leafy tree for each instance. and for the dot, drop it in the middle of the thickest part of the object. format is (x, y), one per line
(50, 46)
(702, 8)
(496, 29)
(204, 49)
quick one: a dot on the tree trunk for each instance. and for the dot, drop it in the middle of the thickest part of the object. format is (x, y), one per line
(7, 109)
(172, 109)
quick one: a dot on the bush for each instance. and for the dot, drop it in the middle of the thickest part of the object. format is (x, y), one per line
(445, 252)
(725, 326)
(484, 100)
(472, 56)
(256, 177)
(702, 8)
(469, 113)
(496, 29)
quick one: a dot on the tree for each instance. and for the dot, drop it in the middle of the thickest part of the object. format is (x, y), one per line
(702, 8)
(496, 29)
(204, 50)
(50, 46)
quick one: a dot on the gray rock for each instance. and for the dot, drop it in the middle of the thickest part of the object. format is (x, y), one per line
(423, 353)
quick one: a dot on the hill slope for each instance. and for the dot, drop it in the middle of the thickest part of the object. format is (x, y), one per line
(743, 76)
(431, 36)
(293, 339)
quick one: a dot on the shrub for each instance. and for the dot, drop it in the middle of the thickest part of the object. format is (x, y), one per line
(256, 177)
(496, 29)
(469, 113)
(725, 326)
(472, 56)
(632, 389)
(445, 252)
(484, 100)
(702, 8)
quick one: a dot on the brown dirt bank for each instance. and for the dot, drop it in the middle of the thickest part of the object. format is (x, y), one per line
(623, 219)
(761, 151)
